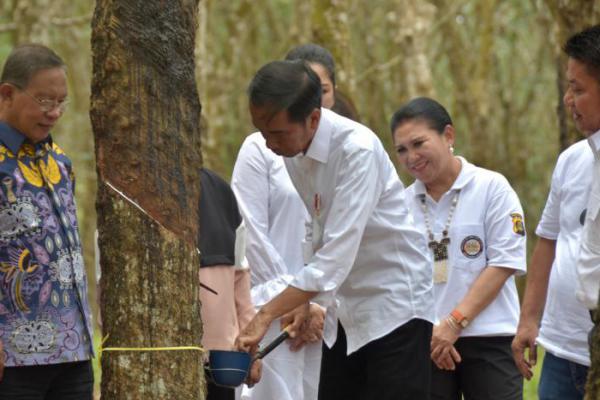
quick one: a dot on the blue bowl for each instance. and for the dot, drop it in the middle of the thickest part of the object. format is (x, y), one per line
(229, 368)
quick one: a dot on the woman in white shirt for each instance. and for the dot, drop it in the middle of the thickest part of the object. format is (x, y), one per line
(275, 218)
(473, 223)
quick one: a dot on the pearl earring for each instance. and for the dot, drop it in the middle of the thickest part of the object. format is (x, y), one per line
(451, 149)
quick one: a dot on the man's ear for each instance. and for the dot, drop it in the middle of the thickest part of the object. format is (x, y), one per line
(7, 91)
(314, 118)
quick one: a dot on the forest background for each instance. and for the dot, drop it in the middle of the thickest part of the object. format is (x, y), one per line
(495, 64)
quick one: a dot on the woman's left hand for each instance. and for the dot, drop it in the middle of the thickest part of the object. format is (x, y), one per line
(443, 352)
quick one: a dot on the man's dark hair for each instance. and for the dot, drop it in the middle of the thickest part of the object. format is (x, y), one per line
(27, 59)
(286, 85)
(585, 48)
(313, 53)
(423, 109)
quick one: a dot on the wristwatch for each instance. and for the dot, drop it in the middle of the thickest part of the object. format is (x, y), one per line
(459, 318)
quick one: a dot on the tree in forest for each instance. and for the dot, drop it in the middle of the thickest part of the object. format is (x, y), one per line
(145, 114)
(569, 17)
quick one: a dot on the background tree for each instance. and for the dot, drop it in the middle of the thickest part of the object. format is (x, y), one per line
(145, 113)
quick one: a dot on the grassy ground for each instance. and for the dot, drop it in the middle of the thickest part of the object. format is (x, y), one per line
(530, 387)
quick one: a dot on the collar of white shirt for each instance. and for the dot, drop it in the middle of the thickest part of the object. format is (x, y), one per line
(467, 172)
(594, 141)
(319, 146)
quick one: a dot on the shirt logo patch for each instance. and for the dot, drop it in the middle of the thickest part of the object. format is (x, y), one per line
(518, 226)
(472, 246)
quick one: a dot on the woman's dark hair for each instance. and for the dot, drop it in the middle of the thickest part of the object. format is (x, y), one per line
(27, 59)
(313, 53)
(286, 85)
(423, 109)
(585, 48)
(345, 107)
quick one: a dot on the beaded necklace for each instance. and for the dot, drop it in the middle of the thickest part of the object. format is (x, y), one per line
(439, 248)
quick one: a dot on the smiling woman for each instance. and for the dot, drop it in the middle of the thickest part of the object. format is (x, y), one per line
(473, 222)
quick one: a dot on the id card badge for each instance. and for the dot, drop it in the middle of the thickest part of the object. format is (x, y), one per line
(307, 251)
(440, 271)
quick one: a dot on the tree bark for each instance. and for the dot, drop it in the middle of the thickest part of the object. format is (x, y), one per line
(145, 115)
(570, 17)
(592, 387)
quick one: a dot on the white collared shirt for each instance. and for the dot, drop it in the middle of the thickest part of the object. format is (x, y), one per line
(367, 253)
(487, 229)
(588, 267)
(275, 217)
(566, 321)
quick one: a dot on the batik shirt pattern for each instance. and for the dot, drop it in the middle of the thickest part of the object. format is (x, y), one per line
(44, 311)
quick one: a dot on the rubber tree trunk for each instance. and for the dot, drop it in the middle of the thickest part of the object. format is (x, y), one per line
(145, 115)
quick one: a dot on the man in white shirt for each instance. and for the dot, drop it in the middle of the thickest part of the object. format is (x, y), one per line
(588, 267)
(365, 260)
(552, 276)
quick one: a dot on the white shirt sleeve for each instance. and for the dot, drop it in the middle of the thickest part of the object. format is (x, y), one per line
(250, 183)
(549, 225)
(505, 246)
(588, 266)
(357, 191)
(241, 261)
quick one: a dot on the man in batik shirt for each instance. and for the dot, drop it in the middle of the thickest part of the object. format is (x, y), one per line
(45, 325)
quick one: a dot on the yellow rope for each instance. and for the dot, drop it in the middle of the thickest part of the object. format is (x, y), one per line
(152, 348)
(168, 348)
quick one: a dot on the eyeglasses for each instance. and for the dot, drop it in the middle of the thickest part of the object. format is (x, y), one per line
(47, 105)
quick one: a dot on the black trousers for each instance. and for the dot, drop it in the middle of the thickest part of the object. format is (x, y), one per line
(215, 392)
(487, 372)
(67, 381)
(394, 367)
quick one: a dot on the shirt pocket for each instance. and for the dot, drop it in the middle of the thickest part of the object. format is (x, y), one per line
(467, 247)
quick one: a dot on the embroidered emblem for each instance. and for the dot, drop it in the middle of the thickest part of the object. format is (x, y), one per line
(34, 337)
(471, 246)
(518, 226)
(60, 270)
(68, 268)
(18, 218)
